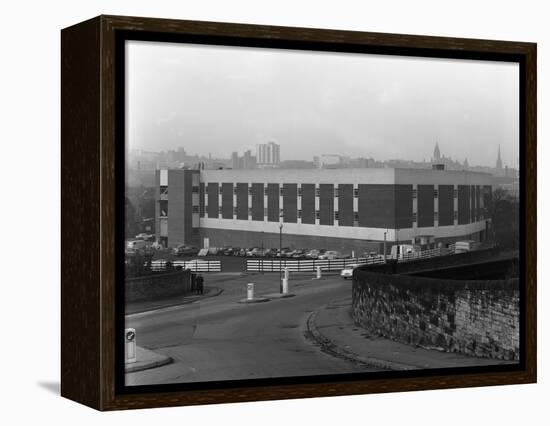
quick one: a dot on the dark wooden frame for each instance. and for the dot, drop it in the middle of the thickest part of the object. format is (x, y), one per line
(89, 205)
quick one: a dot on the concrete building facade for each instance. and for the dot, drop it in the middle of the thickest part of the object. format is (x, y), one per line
(335, 209)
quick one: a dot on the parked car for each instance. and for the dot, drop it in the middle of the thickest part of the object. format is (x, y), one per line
(333, 255)
(313, 253)
(145, 237)
(227, 251)
(185, 250)
(299, 254)
(254, 252)
(134, 246)
(347, 272)
(284, 252)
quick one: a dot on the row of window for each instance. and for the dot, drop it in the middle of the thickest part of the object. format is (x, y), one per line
(317, 192)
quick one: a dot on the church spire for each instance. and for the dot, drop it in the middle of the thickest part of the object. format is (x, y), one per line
(499, 160)
(437, 153)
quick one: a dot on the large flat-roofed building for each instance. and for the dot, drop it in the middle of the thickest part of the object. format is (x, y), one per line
(334, 209)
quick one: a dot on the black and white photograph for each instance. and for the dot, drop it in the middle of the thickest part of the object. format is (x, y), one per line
(294, 213)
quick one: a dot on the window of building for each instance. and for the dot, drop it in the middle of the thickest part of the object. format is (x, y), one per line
(265, 212)
(317, 214)
(414, 217)
(414, 193)
(436, 193)
(195, 189)
(281, 213)
(455, 193)
(335, 215)
(163, 206)
(220, 190)
(317, 192)
(335, 192)
(356, 216)
(281, 191)
(436, 216)
(234, 211)
(163, 190)
(299, 191)
(195, 209)
(299, 214)
(249, 211)
(220, 210)
(356, 193)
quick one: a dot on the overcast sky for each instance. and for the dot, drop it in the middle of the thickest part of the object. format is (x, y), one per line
(212, 99)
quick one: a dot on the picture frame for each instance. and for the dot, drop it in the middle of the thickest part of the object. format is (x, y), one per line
(92, 127)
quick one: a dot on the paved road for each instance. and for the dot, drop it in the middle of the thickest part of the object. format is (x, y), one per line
(221, 339)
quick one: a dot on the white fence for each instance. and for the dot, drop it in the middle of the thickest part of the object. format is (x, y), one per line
(193, 265)
(276, 265)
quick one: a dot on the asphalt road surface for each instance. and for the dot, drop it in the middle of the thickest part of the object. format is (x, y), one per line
(219, 338)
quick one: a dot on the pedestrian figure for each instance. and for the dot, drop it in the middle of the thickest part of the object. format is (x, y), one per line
(200, 284)
(193, 278)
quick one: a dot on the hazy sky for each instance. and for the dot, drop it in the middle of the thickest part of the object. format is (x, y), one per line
(212, 99)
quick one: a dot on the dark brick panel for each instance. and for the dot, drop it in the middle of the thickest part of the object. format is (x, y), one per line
(425, 204)
(472, 203)
(201, 199)
(273, 213)
(463, 204)
(345, 205)
(326, 204)
(242, 201)
(376, 206)
(227, 200)
(290, 202)
(403, 206)
(213, 203)
(257, 190)
(446, 205)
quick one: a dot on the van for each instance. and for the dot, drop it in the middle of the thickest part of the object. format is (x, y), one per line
(465, 246)
(398, 251)
(133, 246)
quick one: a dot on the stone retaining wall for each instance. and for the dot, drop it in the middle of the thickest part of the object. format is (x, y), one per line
(157, 286)
(473, 317)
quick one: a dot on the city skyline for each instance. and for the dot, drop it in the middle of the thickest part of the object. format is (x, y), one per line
(329, 102)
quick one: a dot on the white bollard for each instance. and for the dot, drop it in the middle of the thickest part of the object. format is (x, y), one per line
(250, 291)
(285, 286)
(353, 254)
(130, 345)
(287, 273)
(318, 272)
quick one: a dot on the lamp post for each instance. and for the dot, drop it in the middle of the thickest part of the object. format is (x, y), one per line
(262, 254)
(385, 233)
(280, 256)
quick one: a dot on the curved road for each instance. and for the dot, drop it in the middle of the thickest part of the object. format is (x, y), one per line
(218, 338)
